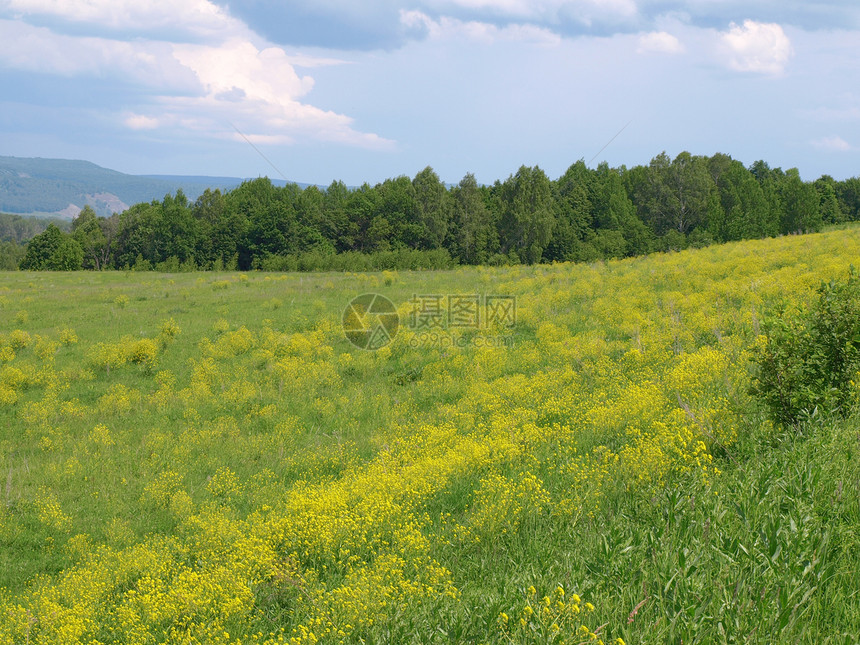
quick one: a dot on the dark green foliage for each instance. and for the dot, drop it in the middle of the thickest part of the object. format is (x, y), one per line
(15, 228)
(11, 255)
(744, 211)
(526, 217)
(68, 256)
(800, 205)
(848, 194)
(41, 248)
(828, 203)
(473, 235)
(407, 259)
(53, 250)
(434, 208)
(90, 233)
(811, 355)
(585, 215)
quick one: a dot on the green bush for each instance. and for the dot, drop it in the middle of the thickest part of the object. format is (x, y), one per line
(808, 359)
(403, 259)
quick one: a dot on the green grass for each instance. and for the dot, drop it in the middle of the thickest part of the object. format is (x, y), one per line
(765, 550)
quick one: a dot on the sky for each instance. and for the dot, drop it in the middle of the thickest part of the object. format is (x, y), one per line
(321, 90)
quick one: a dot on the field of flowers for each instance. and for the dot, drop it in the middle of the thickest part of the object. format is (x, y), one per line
(206, 458)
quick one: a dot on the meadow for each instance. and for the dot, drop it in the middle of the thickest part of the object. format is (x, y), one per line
(207, 458)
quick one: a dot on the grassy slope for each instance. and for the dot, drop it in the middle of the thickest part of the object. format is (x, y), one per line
(271, 477)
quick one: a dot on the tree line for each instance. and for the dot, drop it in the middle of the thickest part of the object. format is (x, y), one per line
(15, 230)
(584, 215)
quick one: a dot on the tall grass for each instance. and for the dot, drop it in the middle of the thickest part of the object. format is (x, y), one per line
(207, 458)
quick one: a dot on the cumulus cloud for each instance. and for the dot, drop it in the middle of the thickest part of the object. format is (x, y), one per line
(584, 10)
(835, 144)
(264, 74)
(38, 49)
(199, 17)
(199, 86)
(660, 42)
(757, 47)
(374, 24)
(452, 28)
(267, 87)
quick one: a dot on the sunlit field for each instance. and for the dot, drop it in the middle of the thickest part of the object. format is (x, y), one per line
(207, 458)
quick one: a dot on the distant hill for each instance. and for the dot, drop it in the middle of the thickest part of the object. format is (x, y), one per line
(61, 187)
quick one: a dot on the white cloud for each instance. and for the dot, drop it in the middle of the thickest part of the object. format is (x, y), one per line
(452, 28)
(660, 42)
(37, 49)
(757, 47)
(199, 17)
(234, 76)
(264, 139)
(141, 122)
(238, 65)
(836, 144)
(260, 89)
(584, 10)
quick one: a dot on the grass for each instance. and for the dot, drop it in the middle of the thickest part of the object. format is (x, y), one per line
(206, 458)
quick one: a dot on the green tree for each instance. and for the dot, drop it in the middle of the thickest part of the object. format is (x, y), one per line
(257, 221)
(68, 256)
(176, 231)
(799, 200)
(619, 231)
(41, 249)
(769, 179)
(135, 234)
(52, 250)
(223, 228)
(474, 237)
(527, 218)
(433, 208)
(745, 210)
(362, 206)
(848, 193)
(398, 208)
(573, 235)
(688, 190)
(828, 203)
(379, 234)
(157, 232)
(344, 230)
(11, 255)
(89, 232)
(674, 195)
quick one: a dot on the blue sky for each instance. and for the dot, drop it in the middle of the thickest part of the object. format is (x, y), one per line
(318, 90)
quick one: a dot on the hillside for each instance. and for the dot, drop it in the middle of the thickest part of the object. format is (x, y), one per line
(62, 187)
(210, 458)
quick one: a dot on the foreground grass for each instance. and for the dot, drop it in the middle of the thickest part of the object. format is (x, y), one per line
(205, 458)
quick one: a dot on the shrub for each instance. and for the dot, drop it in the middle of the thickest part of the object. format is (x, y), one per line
(143, 352)
(808, 357)
(400, 259)
(169, 331)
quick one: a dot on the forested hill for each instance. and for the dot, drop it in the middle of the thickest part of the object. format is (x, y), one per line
(586, 214)
(63, 187)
